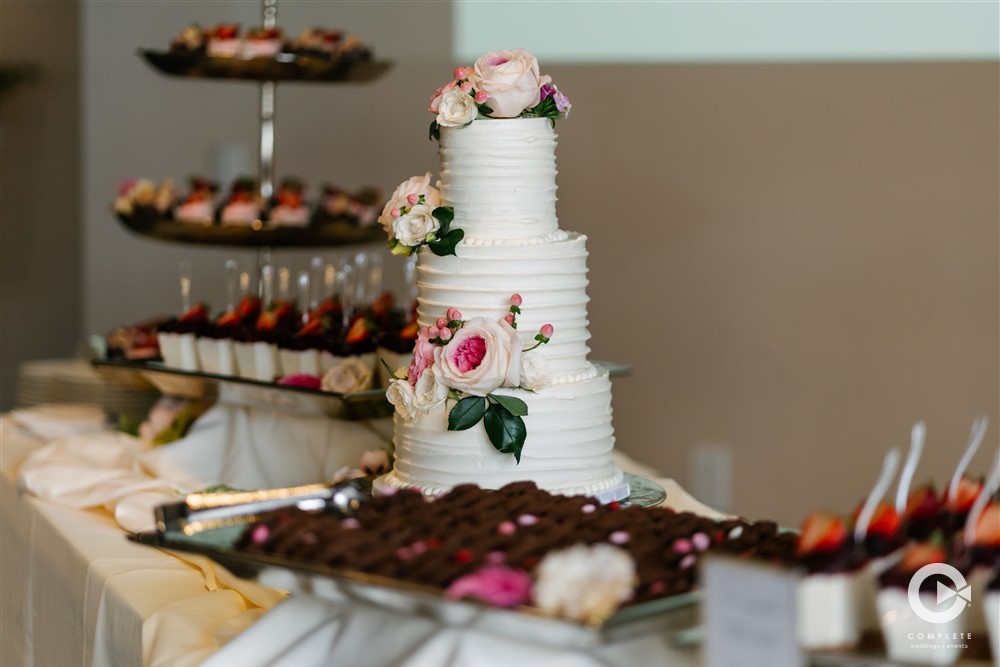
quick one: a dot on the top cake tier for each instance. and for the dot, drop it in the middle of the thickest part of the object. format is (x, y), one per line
(500, 177)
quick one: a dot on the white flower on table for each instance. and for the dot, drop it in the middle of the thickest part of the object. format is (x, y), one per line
(348, 374)
(585, 582)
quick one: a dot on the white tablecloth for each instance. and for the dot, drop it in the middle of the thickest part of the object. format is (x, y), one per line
(76, 592)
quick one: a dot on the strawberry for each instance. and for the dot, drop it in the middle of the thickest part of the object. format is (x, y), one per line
(282, 308)
(328, 306)
(410, 331)
(988, 527)
(358, 332)
(885, 522)
(923, 503)
(227, 31)
(313, 327)
(196, 313)
(920, 554)
(966, 494)
(382, 304)
(249, 307)
(230, 318)
(268, 321)
(821, 531)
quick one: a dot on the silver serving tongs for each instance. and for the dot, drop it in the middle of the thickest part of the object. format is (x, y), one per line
(201, 511)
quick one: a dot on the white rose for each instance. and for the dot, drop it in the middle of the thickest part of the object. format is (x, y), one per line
(584, 582)
(511, 80)
(534, 371)
(482, 356)
(400, 393)
(456, 109)
(348, 374)
(429, 392)
(412, 229)
(417, 185)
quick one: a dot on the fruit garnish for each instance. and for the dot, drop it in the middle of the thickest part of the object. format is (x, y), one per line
(328, 306)
(987, 531)
(249, 307)
(227, 31)
(282, 308)
(884, 522)
(196, 313)
(382, 304)
(920, 554)
(230, 318)
(313, 327)
(821, 531)
(358, 331)
(966, 494)
(922, 503)
(410, 331)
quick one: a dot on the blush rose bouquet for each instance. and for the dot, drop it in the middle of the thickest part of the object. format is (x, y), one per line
(413, 217)
(467, 361)
(501, 84)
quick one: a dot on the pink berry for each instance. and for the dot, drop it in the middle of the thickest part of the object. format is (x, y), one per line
(441, 323)
(481, 97)
(445, 334)
(682, 546)
(509, 318)
(394, 212)
(259, 534)
(506, 528)
(460, 73)
(465, 86)
(618, 537)
(515, 299)
(547, 330)
(453, 314)
(433, 332)
(412, 199)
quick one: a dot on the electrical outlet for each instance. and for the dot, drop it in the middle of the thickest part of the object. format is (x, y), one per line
(712, 475)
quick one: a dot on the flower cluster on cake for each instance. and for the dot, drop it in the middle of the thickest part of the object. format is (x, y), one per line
(489, 411)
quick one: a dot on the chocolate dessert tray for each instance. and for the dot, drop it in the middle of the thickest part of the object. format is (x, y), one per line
(282, 67)
(370, 404)
(214, 531)
(337, 232)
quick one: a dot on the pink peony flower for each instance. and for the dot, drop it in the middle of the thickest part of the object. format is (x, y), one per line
(423, 357)
(495, 585)
(468, 354)
(301, 380)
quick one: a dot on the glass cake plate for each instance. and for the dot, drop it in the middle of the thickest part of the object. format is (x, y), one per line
(215, 538)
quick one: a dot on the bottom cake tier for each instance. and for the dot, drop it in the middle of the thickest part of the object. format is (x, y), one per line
(568, 449)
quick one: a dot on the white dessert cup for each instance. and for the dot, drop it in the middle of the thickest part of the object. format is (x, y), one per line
(395, 360)
(217, 356)
(261, 48)
(179, 351)
(827, 611)
(978, 579)
(905, 633)
(224, 48)
(991, 611)
(258, 361)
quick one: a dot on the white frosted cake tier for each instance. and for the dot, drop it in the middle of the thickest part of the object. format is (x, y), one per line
(500, 176)
(550, 277)
(567, 451)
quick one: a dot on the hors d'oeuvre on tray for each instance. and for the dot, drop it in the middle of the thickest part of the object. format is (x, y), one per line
(288, 207)
(177, 338)
(243, 206)
(262, 43)
(199, 205)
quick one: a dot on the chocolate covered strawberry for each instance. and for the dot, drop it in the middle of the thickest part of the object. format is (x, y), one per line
(248, 308)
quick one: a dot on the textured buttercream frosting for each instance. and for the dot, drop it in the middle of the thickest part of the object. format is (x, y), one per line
(500, 177)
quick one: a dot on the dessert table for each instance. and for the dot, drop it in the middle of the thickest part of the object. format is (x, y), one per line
(76, 591)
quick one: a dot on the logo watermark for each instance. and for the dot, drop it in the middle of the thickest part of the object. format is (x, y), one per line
(959, 593)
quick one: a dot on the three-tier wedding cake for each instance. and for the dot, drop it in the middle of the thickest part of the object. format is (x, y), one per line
(500, 388)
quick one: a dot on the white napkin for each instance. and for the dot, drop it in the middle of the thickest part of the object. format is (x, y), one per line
(55, 420)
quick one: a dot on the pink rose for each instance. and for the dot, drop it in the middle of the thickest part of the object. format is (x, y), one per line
(482, 356)
(423, 357)
(417, 185)
(495, 585)
(511, 80)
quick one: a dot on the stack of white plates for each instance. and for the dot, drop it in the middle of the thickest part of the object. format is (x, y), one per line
(76, 381)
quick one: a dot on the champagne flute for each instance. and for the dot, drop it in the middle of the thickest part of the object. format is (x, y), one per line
(184, 271)
(303, 282)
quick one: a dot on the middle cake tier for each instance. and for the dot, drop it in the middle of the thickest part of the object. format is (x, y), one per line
(550, 276)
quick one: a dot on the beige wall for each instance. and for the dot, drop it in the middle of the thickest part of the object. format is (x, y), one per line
(39, 189)
(799, 260)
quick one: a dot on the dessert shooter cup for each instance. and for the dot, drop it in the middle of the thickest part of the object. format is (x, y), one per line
(828, 611)
(217, 356)
(179, 351)
(906, 634)
(258, 361)
(294, 362)
(991, 610)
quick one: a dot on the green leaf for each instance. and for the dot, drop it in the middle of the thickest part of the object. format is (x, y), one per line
(506, 431)
(446, 246)
(466, 413)
(484, 110)
(444, 214)
(515, 406)
(392, 373)
(435, 131)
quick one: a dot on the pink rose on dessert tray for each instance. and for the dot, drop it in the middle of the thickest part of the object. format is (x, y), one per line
(482, 356)
(495, 585)
(423, 357)
(510, 79)
(417, 185)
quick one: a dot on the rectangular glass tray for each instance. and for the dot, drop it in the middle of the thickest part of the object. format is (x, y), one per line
(667, 616)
